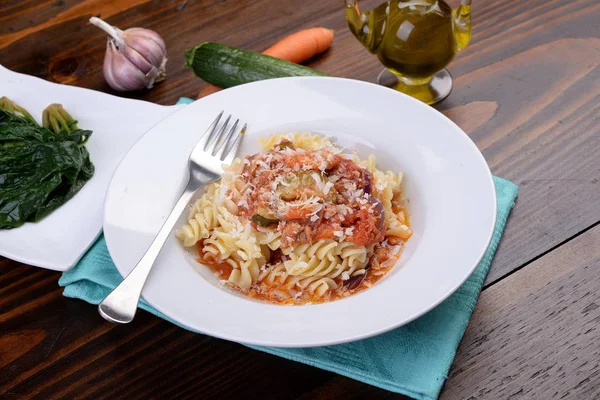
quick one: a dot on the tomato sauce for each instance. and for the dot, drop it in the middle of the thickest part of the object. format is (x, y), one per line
(308, 196)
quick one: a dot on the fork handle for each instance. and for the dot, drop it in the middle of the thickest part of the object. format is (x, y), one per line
(121, 304)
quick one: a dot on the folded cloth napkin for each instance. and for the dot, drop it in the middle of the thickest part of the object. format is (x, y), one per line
(413, 360)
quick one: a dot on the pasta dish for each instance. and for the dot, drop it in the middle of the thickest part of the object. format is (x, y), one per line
(299, 222)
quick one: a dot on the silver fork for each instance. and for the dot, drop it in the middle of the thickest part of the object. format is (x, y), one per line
(215, 148)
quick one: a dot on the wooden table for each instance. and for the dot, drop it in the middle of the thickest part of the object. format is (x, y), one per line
(527, 91)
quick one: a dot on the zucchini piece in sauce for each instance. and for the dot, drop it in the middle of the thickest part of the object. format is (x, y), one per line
(263, 221)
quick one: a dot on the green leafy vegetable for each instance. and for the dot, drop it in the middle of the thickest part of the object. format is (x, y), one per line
(41, 167)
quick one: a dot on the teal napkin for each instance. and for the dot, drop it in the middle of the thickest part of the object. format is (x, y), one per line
(413, 360)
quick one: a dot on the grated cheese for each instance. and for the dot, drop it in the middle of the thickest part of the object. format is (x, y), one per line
(318, 180)
(357, 193)
(342, 209)
(263, 164)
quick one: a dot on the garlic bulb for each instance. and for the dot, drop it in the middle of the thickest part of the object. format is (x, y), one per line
(135, 58)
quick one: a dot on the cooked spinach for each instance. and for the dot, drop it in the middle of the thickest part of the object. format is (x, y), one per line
(41, 167)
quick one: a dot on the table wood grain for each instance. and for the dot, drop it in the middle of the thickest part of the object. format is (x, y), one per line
(527, 90)
(535, 334)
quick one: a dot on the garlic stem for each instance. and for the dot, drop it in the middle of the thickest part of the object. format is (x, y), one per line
(113, 31)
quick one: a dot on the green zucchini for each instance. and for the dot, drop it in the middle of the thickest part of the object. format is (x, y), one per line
(263, 221)
(226, 66)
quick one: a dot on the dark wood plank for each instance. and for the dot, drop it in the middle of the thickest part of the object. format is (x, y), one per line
(536, 334)
(53, 347)
(542, 136)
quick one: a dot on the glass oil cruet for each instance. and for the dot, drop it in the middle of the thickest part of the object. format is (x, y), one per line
(415, 40)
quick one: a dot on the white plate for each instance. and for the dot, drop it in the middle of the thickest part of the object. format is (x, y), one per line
(59, 240)
(450, 187)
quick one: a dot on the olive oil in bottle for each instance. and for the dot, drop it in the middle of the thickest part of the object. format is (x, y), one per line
(414, 39)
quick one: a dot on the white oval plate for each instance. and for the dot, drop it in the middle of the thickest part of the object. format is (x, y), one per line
(448, 183)
(59, 240)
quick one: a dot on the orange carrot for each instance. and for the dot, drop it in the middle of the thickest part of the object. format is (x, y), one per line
(297, 48)
(210, 89)
(303, 45)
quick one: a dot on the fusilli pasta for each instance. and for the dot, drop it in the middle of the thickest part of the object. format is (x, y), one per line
(305, 243)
